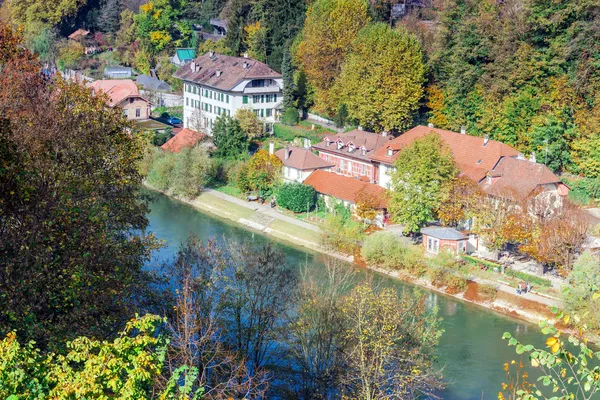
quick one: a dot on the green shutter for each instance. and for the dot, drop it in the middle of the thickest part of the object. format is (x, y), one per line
(245, 100)
(227, 97)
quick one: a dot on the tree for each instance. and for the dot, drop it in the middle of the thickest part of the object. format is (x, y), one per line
(110, 16)
(249, 122)
(283, 20)
(577, 295)
(390, 344)
(256, 41)
(296, 197)
(263, 172)
(367, 205)
(159, 25)
(33, 13)
(72, 245)
(381, 80)
(44, 44)
(69, 54)
(190, 173)
(341, 116)
(460, 199)
(230, 139)
(287, 72)
(421, 171)
(237, 12)
(329, 29)
(220, 47)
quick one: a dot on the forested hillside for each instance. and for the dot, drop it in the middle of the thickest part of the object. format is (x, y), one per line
(524, 72)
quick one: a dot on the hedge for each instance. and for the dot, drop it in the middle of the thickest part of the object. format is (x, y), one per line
(296, 197)
(477, 261)
(534, 279)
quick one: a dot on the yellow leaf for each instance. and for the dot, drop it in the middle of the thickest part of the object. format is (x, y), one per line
(551, 341)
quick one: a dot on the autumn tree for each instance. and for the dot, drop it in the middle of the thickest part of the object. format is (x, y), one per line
(329, 30)
(381, 80)
(159, 25)
(460, 199)
(72, 245)
(263, 172)
(368, 205)
(249, 122)
(256, 41)
(421, 170)
(229, 137)
(33, 13)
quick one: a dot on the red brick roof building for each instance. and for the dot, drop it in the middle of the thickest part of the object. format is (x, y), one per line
(299, 163)
(343, 187)
(123, 93)
(185, 138)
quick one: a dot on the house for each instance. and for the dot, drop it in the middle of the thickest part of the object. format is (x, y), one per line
(335, 187)
(299, 162)
(118, 72)
(79, 35)
(153, 84)
(436, 239)
(351, 153)
(183, 56)
(186, 138)
(124, 93)
(215, 85)
(501, 171)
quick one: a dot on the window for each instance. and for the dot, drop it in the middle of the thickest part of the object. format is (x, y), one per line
(138, 112)
(210, 94)
(245, 100)
(298, 174)
(227, 99)
(257, 83)
(432, 245)
(262, 113)
(210, 109)
(126, 112)
(269, 112)
(262, 98)
(206, 93)
(256, 98)
(275, 98)
(363, 169)
(187, 101)
(229, 113)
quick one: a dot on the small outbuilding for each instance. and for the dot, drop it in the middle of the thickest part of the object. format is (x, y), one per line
(437, 238)
(183, 56)
(153, 84)
(118, 72)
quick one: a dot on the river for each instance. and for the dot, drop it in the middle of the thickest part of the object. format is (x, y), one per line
(471, 349)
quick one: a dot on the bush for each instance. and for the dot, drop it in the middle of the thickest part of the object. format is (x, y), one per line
(487, 291)
(456, 284)
(479, 262)
(290, 116)
(387, 251)
(160, 172)
(534, 279)
(441, 276)
(438, 276)
(341, 234)
(160, 138)
(296, 197)
(191, 171)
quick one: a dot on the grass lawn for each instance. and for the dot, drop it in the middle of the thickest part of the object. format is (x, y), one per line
(229, 189)
(296, 231)
(230, 210)
(289, 133)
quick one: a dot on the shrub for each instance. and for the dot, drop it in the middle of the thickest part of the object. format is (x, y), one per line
(487, 291)
(160, 172)
(341, 234)
(534, 279)
(479, 262)
(290, 116)
(456, 284)
(296, 197)
(387, 251)
(160, 138)
(191, 171)
(438, 276)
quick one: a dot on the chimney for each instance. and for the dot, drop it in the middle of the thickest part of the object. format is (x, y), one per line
(287, 152)
(193, 66)
(384, 133)
(244, 65)
(463, 130)
(246, 55)
(306, 146)
(363, 151)
(211, 54)
(327, 142)
(532, 157)
(219, 72)
(430, 125)
(360, 128)
(271, 147)
(486, 139)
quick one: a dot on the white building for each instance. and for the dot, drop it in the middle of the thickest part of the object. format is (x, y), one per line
(299, 162)
(215, 84)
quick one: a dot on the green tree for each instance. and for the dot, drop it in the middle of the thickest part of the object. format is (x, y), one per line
(72, 245)
(236, 17)
(256, 41)
(421, 171)
(33, 13)
(381, 81)
(287, 72)
(110, 16)
(297, 197)
(44, 44)
(329, 29)
(283, 20)
(159, 25)
(249, 122)
(583, 282)
(229, 137)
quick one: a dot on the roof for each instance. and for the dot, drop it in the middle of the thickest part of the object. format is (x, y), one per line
(117, 69)
(302, 159)
(185, 138)
(472, 155)
(443, 233)
(221, 23)
(528, 174)
(360, 140)
(185, 54)
(78, 34)
(152, 83)
(117, 90)
(343, 187)
(232, 71)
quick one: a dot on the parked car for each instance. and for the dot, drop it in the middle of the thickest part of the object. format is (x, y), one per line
(174, 121)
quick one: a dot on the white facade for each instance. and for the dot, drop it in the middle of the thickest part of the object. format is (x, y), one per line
(385, 175)
(296, 175)
(203, 104)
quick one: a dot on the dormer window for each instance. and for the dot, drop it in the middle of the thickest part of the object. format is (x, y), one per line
(363, 150)
(390, 152)
(351, 147)
(327, 142)
(340, 144)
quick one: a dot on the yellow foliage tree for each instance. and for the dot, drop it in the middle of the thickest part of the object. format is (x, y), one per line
(256, 41)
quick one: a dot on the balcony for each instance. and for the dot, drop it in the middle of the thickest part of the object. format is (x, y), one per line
(262, 89)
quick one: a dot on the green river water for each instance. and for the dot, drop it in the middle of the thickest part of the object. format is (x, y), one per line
(471, 350)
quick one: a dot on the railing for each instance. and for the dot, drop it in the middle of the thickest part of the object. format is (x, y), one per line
(263, 89)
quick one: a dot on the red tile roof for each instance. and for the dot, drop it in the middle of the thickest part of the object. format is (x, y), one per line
(78, 33)
(116, 89)
(232, 71)
(185, 138)
(343, 187)
(302, 159)
(359, 139)
(527, 174)
(473, 157)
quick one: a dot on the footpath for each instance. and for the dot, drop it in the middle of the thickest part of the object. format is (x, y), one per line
(531, 306)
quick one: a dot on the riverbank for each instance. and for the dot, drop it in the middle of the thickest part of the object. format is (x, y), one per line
(530, 307)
